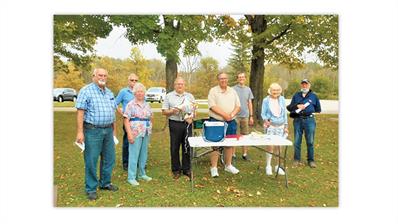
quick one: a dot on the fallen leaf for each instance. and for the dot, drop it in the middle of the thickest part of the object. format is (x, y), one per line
(199, 185)
(258, 193)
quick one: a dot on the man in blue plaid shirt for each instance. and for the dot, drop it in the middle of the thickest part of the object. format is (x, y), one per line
(96, 127)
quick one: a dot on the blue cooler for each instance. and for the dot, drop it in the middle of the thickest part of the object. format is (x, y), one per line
(214, 131)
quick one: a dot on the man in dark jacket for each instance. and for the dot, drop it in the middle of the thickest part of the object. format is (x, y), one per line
(302, 108)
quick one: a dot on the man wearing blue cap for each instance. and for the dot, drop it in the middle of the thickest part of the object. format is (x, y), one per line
(302, 108)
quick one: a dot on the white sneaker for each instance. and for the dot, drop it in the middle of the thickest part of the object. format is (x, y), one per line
(280, 171)
(214, 172)
(231, 169)
(133, 182)
(268, 170)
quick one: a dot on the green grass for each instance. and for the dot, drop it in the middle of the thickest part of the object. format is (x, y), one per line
(250, 188)
(64, 104)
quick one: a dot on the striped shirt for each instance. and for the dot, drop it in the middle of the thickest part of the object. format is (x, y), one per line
(99, 105)
(174, 99)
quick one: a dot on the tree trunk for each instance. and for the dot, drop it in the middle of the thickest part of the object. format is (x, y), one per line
(258, 26)
(171, 73)
(257, 81)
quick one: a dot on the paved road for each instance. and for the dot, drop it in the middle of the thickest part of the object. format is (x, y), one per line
(328, 107)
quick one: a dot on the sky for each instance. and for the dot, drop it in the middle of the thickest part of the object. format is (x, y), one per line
(117, 46)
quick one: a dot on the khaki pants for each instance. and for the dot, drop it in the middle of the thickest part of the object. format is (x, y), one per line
(243, 125)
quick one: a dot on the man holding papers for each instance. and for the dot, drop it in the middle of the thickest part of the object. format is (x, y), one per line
(95, 128)
(302, 108)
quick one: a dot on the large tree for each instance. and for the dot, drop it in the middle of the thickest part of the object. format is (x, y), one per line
(76, 35)
(288, 40)
(172, 34)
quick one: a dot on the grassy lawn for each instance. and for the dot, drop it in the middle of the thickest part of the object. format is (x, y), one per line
(250, 188)
(64, 104)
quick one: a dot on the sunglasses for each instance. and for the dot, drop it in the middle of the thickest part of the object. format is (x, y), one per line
(134, 80)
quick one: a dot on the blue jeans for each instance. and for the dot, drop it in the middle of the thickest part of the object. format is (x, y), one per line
(138, 155)
(98, 142)
(307, 126)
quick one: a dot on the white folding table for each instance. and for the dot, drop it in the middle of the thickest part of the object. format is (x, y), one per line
(244, 140)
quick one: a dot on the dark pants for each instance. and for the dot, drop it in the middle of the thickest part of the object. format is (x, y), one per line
(178, 133)
(125, 149)
(306, 125)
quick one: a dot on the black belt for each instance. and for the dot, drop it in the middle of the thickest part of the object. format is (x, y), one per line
(305, 116)
(177, 121)
(88, 125)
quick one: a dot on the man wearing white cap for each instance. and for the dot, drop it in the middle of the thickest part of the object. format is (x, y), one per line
(302, 108)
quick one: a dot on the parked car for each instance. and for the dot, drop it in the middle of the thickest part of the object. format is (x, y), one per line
(64, 94)
(155, 94)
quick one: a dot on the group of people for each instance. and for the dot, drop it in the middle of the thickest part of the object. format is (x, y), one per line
(96, 106)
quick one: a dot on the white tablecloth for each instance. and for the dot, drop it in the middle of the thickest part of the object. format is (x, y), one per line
(245, 140)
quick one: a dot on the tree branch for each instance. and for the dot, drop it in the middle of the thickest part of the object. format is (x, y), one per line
(284, 32)
(250, 19)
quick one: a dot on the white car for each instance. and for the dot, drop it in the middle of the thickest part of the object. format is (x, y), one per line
(155, 94)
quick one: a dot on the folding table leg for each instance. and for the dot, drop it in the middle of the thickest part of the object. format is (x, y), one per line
(191, 165)
(284, 165)
(279, 162)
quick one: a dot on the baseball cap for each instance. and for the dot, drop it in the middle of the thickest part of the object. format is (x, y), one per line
(305, 81)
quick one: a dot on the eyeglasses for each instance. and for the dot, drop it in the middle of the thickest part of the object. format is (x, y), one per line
(134, 80)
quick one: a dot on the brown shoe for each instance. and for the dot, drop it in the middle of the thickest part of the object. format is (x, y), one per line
(176, 175)
(312, 164)
(187, 173)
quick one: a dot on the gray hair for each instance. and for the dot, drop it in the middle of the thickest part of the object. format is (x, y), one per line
(179, 78)
(218, 75)
(139, 86)
(275, 86)
(133, 75)
(96, 70)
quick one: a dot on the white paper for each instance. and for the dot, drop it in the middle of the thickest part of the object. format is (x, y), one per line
(81, 146)
(305, 105)
(213, 123)
(115, 140)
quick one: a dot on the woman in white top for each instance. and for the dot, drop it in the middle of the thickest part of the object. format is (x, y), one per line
(274, 116)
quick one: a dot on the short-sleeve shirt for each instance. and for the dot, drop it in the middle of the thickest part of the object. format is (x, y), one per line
(226, 100)
(125, 96)
(143, 111)
(99, 105)
(174, 99)
(245, 94)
